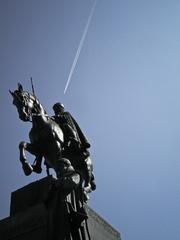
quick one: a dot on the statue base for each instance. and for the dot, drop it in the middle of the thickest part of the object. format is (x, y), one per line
(34, 216)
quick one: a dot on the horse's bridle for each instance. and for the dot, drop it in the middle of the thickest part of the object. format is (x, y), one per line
(36, 104)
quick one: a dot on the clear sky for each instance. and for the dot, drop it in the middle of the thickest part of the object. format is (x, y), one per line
(124, 93)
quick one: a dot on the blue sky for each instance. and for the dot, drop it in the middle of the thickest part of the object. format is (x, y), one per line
(124, 93)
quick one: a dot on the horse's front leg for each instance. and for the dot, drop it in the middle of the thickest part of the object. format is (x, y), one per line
(27, 168)
(36, 166)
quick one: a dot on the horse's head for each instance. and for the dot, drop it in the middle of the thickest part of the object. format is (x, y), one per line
(25, 103)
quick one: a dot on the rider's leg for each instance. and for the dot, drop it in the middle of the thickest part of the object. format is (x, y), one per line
(71, 138)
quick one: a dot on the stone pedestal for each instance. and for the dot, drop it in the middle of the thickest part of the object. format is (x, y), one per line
(31, 217)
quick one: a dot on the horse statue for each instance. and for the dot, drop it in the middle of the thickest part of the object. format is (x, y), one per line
(46, 140)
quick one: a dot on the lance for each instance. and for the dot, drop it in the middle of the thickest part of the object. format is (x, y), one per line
(32, 85)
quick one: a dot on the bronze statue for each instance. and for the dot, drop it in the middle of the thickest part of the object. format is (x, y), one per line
(47, 137)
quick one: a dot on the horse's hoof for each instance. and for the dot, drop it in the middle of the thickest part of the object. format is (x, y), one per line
(36, 169)
(27, 168)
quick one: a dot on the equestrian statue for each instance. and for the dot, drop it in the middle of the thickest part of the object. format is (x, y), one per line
(52, 139)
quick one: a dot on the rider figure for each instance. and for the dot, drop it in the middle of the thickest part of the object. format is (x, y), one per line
(75, 143)
(73, 135)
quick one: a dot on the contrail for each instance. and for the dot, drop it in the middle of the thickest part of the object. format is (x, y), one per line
(80, 46)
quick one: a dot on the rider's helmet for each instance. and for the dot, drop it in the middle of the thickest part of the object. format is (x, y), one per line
(58, 107)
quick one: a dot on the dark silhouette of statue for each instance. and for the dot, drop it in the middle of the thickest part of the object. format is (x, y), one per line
(60, 142)
(52, 138)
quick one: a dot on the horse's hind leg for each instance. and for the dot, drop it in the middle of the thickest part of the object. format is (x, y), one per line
(25, 165)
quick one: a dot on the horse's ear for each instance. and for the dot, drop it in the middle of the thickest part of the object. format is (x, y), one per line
(20, 87)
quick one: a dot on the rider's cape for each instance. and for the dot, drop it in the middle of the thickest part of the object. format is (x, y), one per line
(66, 118)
